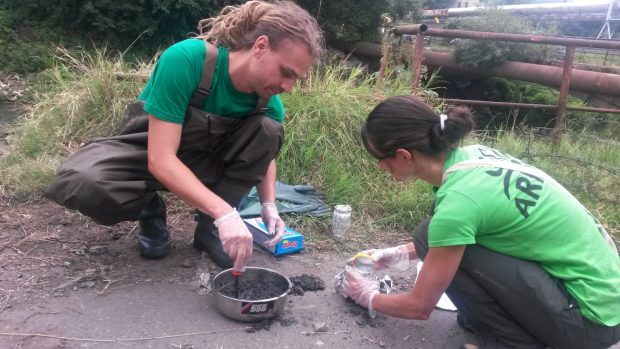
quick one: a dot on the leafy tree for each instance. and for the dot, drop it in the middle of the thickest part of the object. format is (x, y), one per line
(118, 21)
(348, 20)
(30, 29)
(405, 10)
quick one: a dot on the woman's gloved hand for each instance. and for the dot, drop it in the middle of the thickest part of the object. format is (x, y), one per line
(359, 288)
(387, 258)
(236, 239)
(273, 222)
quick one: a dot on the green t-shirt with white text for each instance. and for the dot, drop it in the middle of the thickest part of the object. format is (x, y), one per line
(177, 75)
(527, 217)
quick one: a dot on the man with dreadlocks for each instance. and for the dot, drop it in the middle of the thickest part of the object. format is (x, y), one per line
(206, 127)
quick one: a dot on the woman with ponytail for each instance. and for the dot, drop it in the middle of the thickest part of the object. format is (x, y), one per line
(206, 127)
(526, 265)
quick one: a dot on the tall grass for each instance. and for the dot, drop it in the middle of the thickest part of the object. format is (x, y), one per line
(82, 98)
(79, 98)
(322, 147)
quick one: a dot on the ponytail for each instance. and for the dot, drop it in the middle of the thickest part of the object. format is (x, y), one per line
(458, 123)
(408, 122)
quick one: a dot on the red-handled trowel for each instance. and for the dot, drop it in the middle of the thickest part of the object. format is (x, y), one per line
(236, 276)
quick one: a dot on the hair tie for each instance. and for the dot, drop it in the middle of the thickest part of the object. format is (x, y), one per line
(442, 121)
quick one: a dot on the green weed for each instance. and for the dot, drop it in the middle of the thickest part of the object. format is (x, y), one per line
(78, 99)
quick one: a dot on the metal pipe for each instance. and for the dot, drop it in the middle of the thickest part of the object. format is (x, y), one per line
(589, 67)
(524, 9)
(528, 105)
(532, 39)
(563, 97)
(412, 29)
(582, 80)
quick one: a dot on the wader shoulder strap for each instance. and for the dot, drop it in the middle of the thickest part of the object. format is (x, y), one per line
(532, 171)
(201, 94)
(262, 103)
(199, 97)
(261, 107)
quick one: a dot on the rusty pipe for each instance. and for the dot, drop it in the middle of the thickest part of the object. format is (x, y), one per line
(532, 39)
(412, 29)
(581, 80)
(548, 8)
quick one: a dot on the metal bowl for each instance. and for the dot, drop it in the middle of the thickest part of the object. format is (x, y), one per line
(251, 309)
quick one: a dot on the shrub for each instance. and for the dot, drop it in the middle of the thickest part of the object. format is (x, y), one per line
(485, 53)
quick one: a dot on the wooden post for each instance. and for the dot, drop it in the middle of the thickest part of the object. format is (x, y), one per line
(418, 57)
(386, 57)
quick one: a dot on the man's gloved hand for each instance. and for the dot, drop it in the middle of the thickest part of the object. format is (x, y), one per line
(273, 222)
(387, 258)
(236, 239)
(359, 288)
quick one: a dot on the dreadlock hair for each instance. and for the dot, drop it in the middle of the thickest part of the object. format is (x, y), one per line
(238, 27)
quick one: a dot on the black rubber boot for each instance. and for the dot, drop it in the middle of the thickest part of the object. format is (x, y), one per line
(154, 237)
(206, 237)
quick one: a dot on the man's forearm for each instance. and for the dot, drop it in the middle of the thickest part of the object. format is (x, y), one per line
(180, 181)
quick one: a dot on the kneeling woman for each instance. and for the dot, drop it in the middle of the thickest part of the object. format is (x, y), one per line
(523, 261)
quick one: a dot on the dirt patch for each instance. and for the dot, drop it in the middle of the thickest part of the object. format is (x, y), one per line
(305, 282)
(361, 316)
(47, 251)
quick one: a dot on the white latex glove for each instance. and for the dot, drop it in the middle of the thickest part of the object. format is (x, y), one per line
(273, 222)
(359, 288)
(236, 239)
(387, 258)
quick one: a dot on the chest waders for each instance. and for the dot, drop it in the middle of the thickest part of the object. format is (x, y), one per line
(108, 179)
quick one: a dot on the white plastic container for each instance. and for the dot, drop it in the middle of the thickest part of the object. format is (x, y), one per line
(363, 264)
(341, 222)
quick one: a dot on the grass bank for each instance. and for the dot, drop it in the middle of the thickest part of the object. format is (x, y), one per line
(81, 98)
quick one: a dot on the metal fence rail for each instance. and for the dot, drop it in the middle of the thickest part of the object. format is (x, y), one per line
(571, 45)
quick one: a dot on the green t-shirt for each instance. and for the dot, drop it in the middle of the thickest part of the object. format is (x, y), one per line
(526, 217)
(177, 75)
